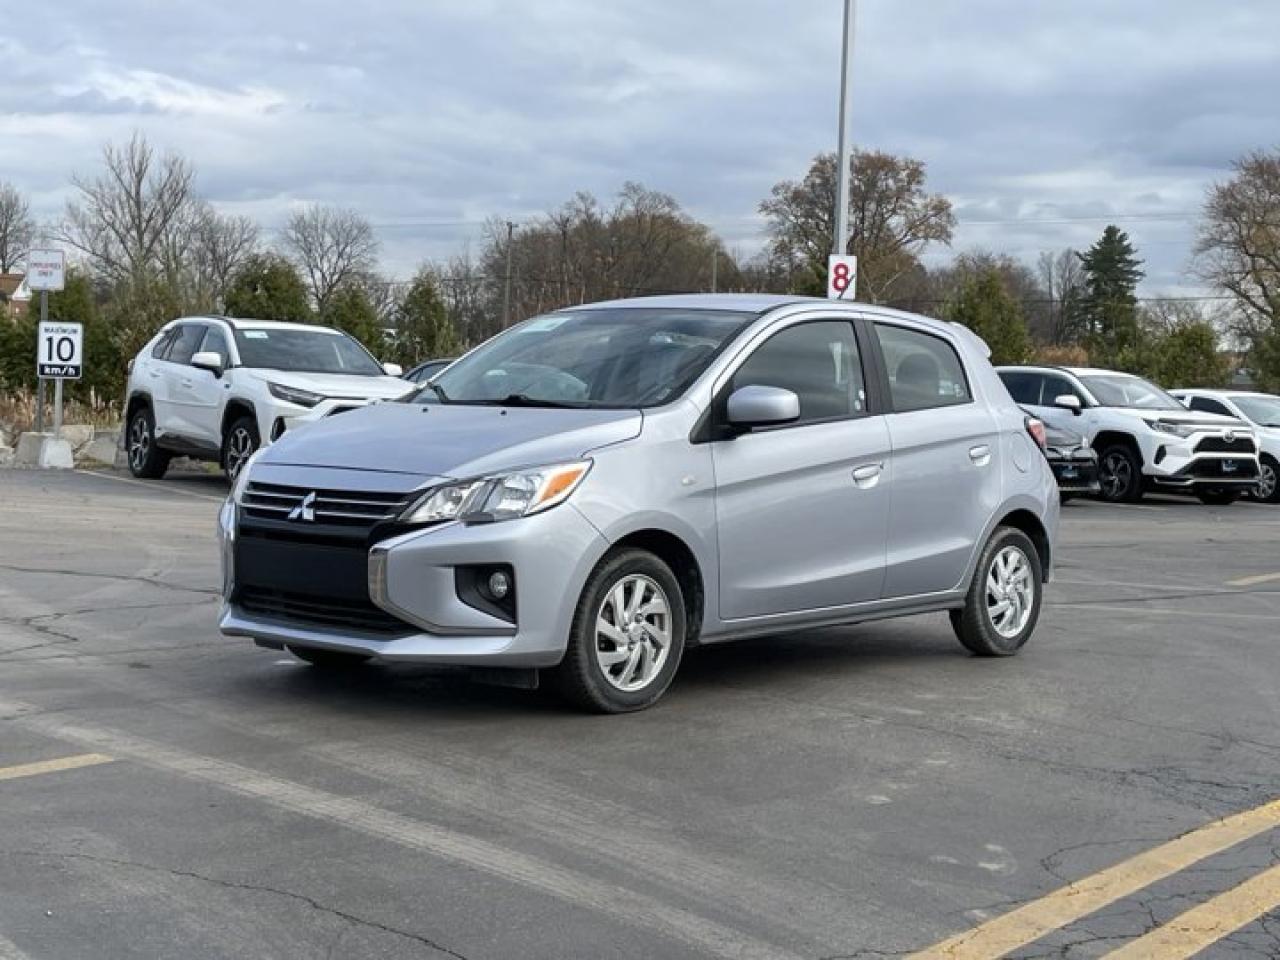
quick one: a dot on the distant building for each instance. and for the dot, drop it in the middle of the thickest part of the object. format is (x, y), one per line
(14, 295)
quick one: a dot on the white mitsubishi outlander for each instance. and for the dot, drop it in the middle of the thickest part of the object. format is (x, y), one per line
(216, 388)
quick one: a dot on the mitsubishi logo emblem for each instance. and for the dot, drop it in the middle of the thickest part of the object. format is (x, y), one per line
(306, 510)
(1229, 435)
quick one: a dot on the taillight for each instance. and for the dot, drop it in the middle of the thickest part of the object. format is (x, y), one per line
(1036, 429)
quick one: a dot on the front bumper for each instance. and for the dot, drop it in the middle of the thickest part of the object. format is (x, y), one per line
(1209, 459)
(399, 601)
(1075, 470)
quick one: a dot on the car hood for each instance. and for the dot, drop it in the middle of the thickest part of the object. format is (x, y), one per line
(1210, 421)
(451, 440)
(342, 386)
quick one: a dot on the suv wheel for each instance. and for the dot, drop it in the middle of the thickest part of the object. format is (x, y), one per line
(1268, 485)
(146, 460)
(1003, 603)
(239, 445)
(627, 635)
(1120, 475)
(1217, 497)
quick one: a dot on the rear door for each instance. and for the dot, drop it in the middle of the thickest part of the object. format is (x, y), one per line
(802, 509)
(946, 481)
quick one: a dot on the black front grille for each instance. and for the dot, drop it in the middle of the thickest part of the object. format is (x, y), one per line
(328, 612)
(344, 508)
(1226, 469)
(1223, 445)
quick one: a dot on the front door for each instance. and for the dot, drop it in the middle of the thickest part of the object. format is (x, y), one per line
(201, 393)
(802, 509)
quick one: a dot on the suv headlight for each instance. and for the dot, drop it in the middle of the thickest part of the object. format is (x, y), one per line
(505, 497)
(303, 398)
(1182, 430)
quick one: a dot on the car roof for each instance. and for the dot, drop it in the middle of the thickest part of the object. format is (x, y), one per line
(1215, 392)
(248, 323)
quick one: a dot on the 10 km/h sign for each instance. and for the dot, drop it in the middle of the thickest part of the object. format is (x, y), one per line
(60, 351)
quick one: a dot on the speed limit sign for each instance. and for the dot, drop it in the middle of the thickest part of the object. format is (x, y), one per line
(60, 351)
(842, 276)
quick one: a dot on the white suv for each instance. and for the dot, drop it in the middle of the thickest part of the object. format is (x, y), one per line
(1146, 439)
(1260, 409)
(216, 389)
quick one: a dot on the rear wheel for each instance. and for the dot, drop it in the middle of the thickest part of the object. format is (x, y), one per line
(627, 636)
(1120, 475)
(146, 460)
(1217, 497)
(239, 445)
(1003, 603)
(328, 659)
(1268, 486)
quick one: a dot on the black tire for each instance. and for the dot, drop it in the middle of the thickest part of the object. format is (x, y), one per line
(580, 677)
(329, 659)
(146, 460)
(1270, 469)
(1120, 474)
(1217, 497)
(974, 625)
(235, 453)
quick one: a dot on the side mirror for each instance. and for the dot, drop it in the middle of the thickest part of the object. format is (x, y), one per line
(393, 369)
(208, 360)
(758, 406)
(1069, 401)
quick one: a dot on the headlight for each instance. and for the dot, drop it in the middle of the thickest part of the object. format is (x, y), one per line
(303, 398)
(242, 478)
(504, 497)
(1182, 430)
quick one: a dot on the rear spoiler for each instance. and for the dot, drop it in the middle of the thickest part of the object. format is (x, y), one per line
(972, 337)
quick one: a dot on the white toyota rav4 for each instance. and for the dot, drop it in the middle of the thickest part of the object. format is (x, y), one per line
(1146, 439)
(216, 388)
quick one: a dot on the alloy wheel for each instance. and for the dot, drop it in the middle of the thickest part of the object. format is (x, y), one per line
(633, 633)
(1010, 592)
(1115, 473)
(139, 443)
(1267, 482)
(240, 447)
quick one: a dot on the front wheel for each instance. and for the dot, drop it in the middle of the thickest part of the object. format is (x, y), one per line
(1217, 497)
(1268, 486)
(627, 636)
(1120, 475)
(1003, 603)
(238, 446)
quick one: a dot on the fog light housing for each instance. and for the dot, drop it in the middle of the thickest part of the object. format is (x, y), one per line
(489, 588)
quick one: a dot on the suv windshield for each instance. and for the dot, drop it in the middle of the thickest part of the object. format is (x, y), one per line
(305, 351)
(1264, 411)
(1115, 390)
(626, 357)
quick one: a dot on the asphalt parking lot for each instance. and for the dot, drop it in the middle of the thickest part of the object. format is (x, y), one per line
(861, 792)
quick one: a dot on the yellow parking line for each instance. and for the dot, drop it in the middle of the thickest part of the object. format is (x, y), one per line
(53, 766)
(1190, 932)
(1067, 904)
(1254, 581)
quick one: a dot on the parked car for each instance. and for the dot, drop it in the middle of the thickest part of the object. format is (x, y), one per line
(1262, 411)
(1145, 439)
(427, 369)
(1073, 461)
(216, 388)
(593, 491)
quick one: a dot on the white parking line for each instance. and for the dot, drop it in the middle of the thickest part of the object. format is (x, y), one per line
(1140, 611)
(9, 950)
(150, 486)
(1254, 581)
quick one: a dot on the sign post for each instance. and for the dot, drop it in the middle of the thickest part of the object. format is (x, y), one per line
(46, 270)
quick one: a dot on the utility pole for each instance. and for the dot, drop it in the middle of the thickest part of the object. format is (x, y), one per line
(840, 242)
(715, 265)
(506, 289)
(44, 318)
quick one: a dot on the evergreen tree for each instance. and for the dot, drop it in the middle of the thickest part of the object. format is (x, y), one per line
(349, 308)
(268, 287)
(985, 307)
(1189, 357)
(1110, 308)
(424, 330)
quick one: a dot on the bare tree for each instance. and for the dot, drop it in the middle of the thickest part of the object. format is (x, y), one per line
(893, 220)
(202, 251)
(1063, 279)
(122, 220)
(17, 229)
(332, 246)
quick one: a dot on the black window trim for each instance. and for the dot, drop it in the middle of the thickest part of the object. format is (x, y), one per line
(713, 426)
(884, 367)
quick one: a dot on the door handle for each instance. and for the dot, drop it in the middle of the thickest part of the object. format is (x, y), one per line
(867, 476)
(188, 383)
(980, 455)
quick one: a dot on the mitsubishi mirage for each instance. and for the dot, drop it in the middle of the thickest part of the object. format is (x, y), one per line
(591, 493)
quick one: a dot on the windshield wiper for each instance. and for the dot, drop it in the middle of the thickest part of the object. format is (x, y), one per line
(524, 400)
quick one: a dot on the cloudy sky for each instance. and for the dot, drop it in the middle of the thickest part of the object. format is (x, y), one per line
(1041, 121)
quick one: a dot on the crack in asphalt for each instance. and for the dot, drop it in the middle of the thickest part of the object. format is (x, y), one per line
(127, 578)
(40, 623)
(249, 887)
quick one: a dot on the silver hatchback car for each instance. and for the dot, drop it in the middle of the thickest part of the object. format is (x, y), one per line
(593, 492)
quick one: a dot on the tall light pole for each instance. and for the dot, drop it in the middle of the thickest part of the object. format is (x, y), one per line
(840, 242)
(506, 285)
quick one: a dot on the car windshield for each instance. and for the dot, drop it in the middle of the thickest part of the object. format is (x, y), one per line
(619, 358)
(305, 351)
(1264, 411)
(1121, 391)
